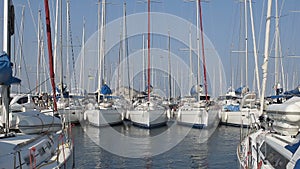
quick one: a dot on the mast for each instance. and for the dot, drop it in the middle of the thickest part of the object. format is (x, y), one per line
(103, 16)
(266, 56)
(61, 55)
(99, 52)
(191, 64)
(21, 45)
(246, 42)
(126, 47)
(50, 53)
(148, 50)
(169, 57)
(203, 56)
(55, 39)
(144, 74)
(38, 81)
(8, 31)
(68, 40)
(254, 48)
(83, 55)
(276, 46)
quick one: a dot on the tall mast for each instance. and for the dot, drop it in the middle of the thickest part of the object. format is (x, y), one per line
(68, 40)
(99, 52)
(8, 31)
(169, 57)
(38, 80)
(276, 44)
(191, 64)
(148, 50)
(246, 42)
(21, 45)
(81, 79)
(203, 56)
(55, 39)
(144, 74)
(198, 44)
(126, 47)
(254, 48)
(266, 56)
(61, 54)
(103, 16)
(50, 53)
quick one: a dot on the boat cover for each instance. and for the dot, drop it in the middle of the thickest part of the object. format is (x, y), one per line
(105, 90)
(6, 77)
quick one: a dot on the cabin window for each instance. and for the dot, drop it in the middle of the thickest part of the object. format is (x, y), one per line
(22, 100)
(273, 157)
(49, 145)
(41, 151)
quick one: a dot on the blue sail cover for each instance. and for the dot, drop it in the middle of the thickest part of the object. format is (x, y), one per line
(105, 90)
(6, 77)
(232, 108)
(241, 90)
(293, 92)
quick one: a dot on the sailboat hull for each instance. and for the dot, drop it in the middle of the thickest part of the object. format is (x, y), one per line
(148, 118)
(104, 117)
(196, 118)
(239, 118)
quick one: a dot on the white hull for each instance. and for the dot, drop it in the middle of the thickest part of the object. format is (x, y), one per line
(148, 118)
(245, 117)
(16, 150)
(71, 114)
(264, 149)
(195, 117)
(104, 117)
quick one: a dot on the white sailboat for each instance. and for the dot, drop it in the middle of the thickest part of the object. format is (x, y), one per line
(148, 111)
(240, 114)
(20, 150)
(197, 110)
(106, 111)
(68, 105)
(276, 143)
(243, 112)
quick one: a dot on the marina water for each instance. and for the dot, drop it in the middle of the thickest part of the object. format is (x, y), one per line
(218, 152)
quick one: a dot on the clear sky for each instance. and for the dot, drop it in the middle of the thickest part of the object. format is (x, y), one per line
(223, 24)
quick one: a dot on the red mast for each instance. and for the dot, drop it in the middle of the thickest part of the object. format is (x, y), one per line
(50, 52)
(203, 56)
(148, 50)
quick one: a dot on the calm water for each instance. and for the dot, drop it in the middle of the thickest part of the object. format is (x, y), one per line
(218, 152)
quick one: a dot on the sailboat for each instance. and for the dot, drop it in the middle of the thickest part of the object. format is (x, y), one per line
(276, 143)
(197, 110)
(21, 150)
(68, 104)
(241, 111)
(106, 111)
(148, 111)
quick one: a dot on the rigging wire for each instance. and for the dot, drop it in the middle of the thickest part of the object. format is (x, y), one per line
(72, 51)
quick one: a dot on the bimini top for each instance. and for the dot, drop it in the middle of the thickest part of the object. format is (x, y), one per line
(6, 77)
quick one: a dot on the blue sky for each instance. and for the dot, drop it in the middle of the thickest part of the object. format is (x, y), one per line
(221, 22)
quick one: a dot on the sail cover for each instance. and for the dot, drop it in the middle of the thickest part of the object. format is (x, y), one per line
(6, 77)
(105, 89)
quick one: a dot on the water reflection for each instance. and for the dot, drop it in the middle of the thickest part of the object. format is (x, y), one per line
(191, 152)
